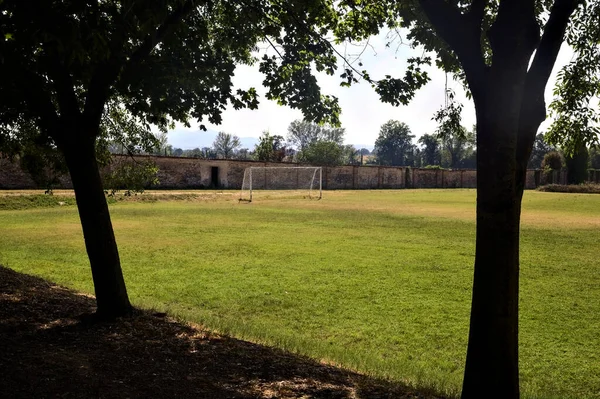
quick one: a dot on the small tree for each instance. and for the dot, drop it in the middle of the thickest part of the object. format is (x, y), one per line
(540, 149)
(553, 161)
(430, 151)
(394, 143)
(270, 148)
(577, 165)
(226, 144)
(130, 175)
(594, 158)
(323, 153)
(301, 134)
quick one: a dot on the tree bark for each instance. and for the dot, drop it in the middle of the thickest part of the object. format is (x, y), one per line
(111, 293)
(492, 367)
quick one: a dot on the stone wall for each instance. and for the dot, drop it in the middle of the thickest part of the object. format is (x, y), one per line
(192, 173)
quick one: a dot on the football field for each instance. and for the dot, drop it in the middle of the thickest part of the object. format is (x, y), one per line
(377, 281)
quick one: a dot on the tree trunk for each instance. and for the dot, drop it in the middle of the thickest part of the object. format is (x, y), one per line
(492, 356)
(111, 293)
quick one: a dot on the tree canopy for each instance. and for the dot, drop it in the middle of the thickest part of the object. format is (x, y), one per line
(394, 143)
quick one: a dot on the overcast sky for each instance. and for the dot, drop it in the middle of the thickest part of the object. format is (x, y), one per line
(362, 112)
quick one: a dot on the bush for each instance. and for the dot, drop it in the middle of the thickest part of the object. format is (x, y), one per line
(577, 165)
(553, 160)
(571, 188)
(130, 175)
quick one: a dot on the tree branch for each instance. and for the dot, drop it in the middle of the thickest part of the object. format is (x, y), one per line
(40, 103)
(533, 106)
(477, 11)
(63, 84)
(549, 46)
(462, 33)
(106, 75)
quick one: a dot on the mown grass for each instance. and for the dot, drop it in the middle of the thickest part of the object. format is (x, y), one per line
(379, 281)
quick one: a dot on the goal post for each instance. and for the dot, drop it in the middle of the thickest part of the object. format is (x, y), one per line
(308, 180)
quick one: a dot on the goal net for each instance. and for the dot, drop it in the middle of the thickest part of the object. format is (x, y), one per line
(306, 180)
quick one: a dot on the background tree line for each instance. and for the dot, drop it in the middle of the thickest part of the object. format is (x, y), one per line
(308, 142)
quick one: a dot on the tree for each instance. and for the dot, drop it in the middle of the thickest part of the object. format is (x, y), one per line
(430, 150)
(503, 51)
(244, 154)
(301, 134)
(553, 161)
(316, 144)
(177, 152)
(394, 143)
(456, 146)
(324, 153)
(226, 144)
(577, 165)
(539, 150)
(594, 158)
(68, 65)
(270, 148)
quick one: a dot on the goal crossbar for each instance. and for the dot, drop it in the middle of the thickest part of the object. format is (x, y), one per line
(257, 177)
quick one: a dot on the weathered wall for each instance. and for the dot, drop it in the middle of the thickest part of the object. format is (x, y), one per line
(12, 176)
(190, 173)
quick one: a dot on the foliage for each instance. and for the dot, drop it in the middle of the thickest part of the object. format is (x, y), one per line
(162, 146)
(553, 161)
(322, 153)
(430, 151)
(571, 188)
(302, 134)
(270, 148)
(394, 144)
(594, 158)
(578, 86)
(540, 149)
(577, 165)
(130, 175)
(434, 167)
(457, 147)
(225, 145)
(319, 144)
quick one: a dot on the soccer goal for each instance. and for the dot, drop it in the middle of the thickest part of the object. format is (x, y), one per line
(305, 179)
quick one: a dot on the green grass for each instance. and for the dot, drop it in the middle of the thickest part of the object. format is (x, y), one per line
(379, 281)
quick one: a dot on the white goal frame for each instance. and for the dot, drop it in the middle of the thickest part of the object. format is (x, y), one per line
(248, 172)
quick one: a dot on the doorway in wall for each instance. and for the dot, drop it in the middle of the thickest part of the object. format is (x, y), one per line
(214, 177)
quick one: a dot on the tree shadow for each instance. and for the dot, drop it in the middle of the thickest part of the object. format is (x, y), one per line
(47, 352)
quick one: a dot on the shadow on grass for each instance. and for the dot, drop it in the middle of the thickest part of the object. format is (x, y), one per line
(47, 352)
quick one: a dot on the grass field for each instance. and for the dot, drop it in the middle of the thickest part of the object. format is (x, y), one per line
(378, 281)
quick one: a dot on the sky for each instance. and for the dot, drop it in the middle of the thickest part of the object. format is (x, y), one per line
(362, 111)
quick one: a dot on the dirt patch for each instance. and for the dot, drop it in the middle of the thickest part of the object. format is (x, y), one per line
(48, 352)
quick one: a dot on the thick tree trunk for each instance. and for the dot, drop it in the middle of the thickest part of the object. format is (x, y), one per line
(111, 294)
(492, 356)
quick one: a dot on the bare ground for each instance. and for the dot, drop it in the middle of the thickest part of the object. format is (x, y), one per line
(46, 351)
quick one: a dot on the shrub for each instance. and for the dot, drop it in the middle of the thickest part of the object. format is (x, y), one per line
(577, 165)
(553, 160)
(571, 188)
(130, 175)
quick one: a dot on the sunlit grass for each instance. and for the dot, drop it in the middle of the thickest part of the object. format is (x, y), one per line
(378, 281)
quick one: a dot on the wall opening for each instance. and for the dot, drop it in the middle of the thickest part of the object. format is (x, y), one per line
(214, 177)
